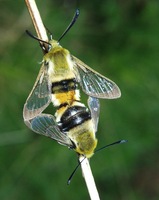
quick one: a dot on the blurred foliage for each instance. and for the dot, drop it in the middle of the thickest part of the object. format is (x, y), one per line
(120, 39)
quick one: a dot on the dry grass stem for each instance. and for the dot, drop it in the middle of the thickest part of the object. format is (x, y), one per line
(36, 19)
(89, 179)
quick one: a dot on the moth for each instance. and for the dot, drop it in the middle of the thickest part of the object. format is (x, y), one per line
(58, 82)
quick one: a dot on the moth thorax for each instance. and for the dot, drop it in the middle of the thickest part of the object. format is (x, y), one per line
(86, 144)
(62, 61)
(84, 138)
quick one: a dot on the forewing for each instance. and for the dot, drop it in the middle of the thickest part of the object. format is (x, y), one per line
(40, 96)
(95, 84)
(94, 107)
(45, 124)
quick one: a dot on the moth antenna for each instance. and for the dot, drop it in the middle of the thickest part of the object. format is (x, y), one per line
(72, 174)
(38, 39)
(75, 17)
(114, 143)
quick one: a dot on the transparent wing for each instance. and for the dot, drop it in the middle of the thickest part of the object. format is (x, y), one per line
(46, 125)
(40, 96)
(93, 83)
(94, 107)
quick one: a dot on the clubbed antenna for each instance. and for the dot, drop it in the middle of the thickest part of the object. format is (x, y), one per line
(75, 17)
(117, 142)
(41, 41)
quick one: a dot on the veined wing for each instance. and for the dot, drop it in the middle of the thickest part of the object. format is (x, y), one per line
(46, 125)
(40, 96)
(95, 84)
(94, 107)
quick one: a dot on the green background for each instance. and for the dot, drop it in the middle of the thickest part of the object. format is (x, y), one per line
(119, 39)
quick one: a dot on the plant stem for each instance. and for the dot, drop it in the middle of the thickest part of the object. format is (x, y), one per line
(89, 179)
(36, 19)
